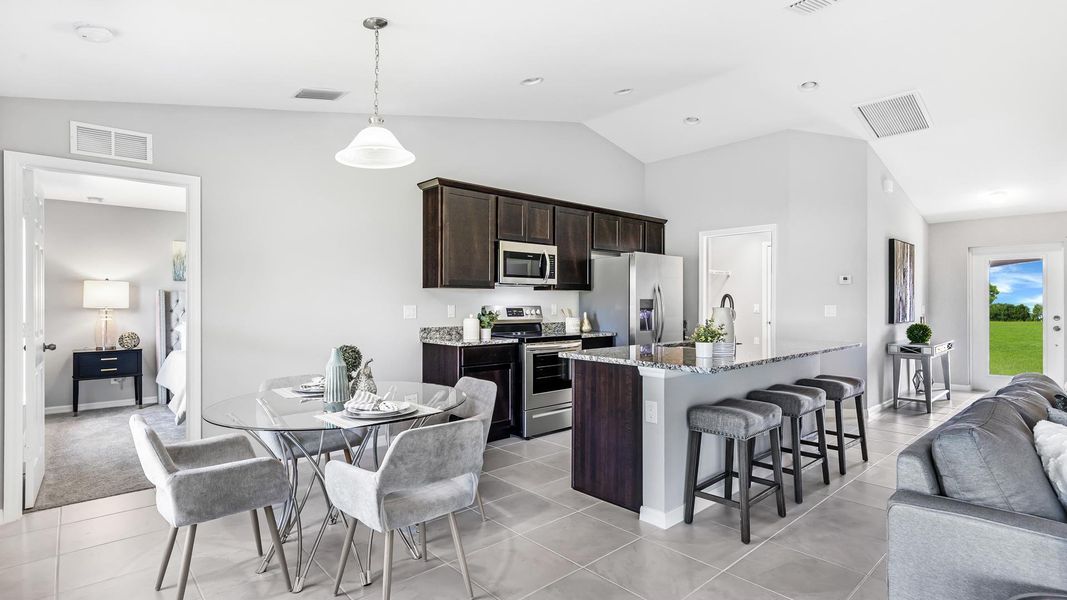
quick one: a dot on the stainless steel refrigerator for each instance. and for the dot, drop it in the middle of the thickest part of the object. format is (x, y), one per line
(638, 296)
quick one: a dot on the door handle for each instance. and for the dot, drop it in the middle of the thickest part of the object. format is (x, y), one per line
(544, 270)
(47, 347)
(1056, 328)
(657, 309)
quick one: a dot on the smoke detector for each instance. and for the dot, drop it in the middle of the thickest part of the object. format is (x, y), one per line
(894, 115)
(94, 33)
(810, 7)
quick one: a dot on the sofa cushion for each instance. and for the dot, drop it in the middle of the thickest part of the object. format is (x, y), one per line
(1044, 385)
(1051, 442)
(987, 457)
(1031, 406)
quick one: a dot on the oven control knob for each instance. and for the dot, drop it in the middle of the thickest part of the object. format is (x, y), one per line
(537, 311)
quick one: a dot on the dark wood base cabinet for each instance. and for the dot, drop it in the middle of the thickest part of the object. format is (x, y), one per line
(606, 433)
(445, 365)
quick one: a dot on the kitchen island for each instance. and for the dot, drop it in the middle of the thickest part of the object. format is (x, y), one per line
(629, 430)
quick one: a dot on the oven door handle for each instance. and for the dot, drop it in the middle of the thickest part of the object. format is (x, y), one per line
(552, 347)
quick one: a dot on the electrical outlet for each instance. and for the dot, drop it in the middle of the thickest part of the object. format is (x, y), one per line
(409, 311)
(844, 279)
(755, 309)
(555, 310)
(755, 341)
(412, 398)
(829, 310)
(651, 413)
(451, 311)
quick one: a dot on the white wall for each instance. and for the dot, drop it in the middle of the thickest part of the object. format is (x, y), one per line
(93, 241)
(950, 261)
(890, 216)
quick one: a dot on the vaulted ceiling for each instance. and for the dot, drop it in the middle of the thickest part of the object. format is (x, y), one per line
(991, 73)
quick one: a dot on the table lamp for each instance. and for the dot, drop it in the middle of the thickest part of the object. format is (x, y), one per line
(106, 295)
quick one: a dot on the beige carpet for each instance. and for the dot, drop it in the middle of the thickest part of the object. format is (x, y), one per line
(92, 455)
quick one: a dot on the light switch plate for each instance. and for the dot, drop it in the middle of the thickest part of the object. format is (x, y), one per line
(412, 398)
(451, 311)
(755, 341)
(555, 309)
(410, 311)
(755, 309)
(651, 413)
(829, 310)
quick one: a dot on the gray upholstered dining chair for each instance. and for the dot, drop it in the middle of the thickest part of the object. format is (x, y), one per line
(427, 472)
(208, 479)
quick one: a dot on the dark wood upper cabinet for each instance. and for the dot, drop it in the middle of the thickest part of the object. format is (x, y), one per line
(523, 221)
(615, 233)
(573, 243)
(655, 238)
(631, 235)
(459, 230)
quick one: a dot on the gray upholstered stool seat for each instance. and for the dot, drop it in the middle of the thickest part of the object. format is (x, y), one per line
(797, 401)
(839, 388)
(739, 421)
(733, 418)
(794, 400)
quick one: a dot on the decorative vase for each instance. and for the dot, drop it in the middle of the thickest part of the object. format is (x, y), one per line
(336, 393)
(353, 359)
(487, 334)
(586, 325)
(470, 329)
(129, 340)
(704, 349)
(364, 380)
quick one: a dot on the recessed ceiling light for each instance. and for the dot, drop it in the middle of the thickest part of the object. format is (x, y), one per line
(94, 199)
(94, 33)
(809, 86)
(532, 80)
(998, 195)
(623, 91)
(691, 120)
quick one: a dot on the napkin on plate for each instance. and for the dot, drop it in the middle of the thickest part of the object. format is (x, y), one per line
(363, 401)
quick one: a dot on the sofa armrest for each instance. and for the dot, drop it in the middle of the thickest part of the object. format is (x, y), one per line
(953, 550)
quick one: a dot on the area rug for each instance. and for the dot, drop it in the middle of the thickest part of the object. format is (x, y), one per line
(92, 455)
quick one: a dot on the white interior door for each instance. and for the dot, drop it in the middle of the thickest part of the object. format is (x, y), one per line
(33, 335)
(1004, 341)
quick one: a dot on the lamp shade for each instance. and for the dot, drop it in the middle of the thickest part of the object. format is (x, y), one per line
(375, 148)
(106, 294)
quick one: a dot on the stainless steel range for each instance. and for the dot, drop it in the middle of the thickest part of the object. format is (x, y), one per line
(546, 397)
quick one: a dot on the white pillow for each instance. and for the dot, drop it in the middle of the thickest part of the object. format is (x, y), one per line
(1051, 442)
(179, 336)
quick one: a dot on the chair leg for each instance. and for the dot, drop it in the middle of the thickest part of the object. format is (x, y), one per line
(743, 458)
(345, 550)
(348, 455)
(861, 417)
(481, 507)
(461, 558)
(751, 455)
(387, 566)
(776, 463)
(255, 532)
(276, 539)
(166, 557)
(692, 458)
(798, 460)
(840, 427)
(820, 425)
(187, 559)
(370, 553)
(728, 483)
(422, 536)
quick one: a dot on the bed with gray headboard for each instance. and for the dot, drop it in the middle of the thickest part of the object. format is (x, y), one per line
(170, 350)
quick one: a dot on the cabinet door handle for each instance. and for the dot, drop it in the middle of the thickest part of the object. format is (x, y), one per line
(111, 358)
(108, 370)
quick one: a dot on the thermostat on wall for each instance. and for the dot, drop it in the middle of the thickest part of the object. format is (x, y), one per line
(844, 279)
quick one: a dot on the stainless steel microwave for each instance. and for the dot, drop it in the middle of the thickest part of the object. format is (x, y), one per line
(519, 263)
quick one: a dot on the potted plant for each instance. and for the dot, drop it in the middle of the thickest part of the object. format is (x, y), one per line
(919, 333)
(709, 339)
(486, 318)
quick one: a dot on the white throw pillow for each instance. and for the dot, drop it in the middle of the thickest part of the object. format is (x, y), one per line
(1051, 442)
(179, 336)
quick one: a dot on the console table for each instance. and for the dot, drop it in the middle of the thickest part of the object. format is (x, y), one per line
(92, 364)
(924, 354)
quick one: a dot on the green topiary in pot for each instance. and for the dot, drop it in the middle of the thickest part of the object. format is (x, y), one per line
(919, 333)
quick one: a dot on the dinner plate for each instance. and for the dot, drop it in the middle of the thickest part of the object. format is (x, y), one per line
(401, 408)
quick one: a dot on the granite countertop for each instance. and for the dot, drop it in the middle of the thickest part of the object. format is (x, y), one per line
(452, 335)
(681, 356)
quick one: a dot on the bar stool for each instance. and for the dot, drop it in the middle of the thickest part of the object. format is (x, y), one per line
(796, 402)
(839, 388)
(737, 421)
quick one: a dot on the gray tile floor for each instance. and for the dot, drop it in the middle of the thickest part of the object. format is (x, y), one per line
(542, 541)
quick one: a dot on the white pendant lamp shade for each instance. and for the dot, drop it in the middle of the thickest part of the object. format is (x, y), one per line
(375, 148)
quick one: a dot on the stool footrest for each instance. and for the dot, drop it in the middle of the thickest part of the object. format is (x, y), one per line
(830, 446)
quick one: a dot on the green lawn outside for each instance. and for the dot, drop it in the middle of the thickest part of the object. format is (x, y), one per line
(1014, 347)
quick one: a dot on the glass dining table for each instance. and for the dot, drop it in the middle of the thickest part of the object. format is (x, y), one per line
(291, 426)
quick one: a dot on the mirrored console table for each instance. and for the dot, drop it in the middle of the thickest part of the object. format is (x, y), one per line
(920, 386)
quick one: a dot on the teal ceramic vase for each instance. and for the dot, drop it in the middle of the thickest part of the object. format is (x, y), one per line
(336, 393)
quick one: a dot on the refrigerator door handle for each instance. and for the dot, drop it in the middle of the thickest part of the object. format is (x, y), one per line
(657, 310)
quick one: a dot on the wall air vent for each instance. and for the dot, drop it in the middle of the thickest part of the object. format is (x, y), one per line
(313, 94)
(109, 142)
(810, 7)
(895, 115)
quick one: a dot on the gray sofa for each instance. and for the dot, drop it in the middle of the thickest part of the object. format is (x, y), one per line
(971, 519)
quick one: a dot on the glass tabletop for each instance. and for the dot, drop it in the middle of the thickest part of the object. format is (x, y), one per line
(274, 410)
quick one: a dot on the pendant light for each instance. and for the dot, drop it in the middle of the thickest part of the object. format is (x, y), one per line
(375, 147)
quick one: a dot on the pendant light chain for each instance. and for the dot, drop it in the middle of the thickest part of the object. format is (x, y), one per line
(377, 59)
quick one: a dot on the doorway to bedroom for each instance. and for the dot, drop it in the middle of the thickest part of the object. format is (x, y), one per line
(104, 267)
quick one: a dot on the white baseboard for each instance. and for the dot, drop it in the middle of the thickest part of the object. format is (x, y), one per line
(83, 406)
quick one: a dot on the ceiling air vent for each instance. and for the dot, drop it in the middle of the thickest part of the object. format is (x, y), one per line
(810, 7)
(313, 94)
(109, 142)
(903, 113)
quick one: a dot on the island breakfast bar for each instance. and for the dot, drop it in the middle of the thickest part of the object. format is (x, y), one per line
(629, 434)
